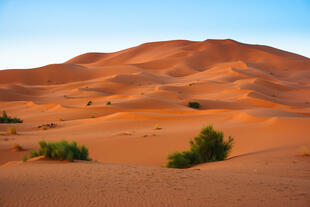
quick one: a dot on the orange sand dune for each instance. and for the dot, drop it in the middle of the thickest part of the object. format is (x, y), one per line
(257, 94)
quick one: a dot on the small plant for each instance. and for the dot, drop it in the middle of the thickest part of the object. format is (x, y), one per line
(17, 148)
(194, 104)
(109, 103)
(304, 151)
(89, 103)
(44, 127)
(12, 130)
(25, 159)
(61, 151)
(61, 119)
(7, 119)
(208, 146)
(156, 127)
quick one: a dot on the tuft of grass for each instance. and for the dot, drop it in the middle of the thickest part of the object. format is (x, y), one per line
(17, 148)
(7, 119)
(61, 119)
(208, 146)
(61, 150)
(25, 159)
(109, 103)
(12, 130)
(44, 127)
(156, 127)
(304, 151)
(89, 103)
(194, 104)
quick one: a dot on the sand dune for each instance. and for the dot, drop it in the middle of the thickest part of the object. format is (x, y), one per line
(258, 94)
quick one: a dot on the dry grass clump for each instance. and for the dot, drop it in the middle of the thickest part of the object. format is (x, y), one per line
(17, 148)
(156, 127)
(12, 130)
(43, 128)
(304, 150)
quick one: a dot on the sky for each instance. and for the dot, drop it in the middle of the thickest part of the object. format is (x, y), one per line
(35, 33)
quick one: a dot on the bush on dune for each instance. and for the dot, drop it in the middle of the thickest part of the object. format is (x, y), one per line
(7, 119)
(208, 146)
(61, 151)
(194, 104)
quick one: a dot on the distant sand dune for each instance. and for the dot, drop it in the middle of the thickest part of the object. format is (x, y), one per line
(258, 94)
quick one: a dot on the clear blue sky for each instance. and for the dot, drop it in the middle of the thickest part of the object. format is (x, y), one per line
(39, 32)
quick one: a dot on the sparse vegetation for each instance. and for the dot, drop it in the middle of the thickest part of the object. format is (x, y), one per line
(47, 126)
(17, 148)
(61, 119)
(7, 119)
(109, 103)
(25, 159)
(194, 104)
(208, 146)
(89, 103)
(304, 151)
(156, 127)
(43, 127)
(12, 130)
(61, 151)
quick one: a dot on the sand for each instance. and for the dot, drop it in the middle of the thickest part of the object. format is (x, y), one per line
(257, 94)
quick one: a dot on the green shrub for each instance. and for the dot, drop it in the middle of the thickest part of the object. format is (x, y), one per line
(109, 103)
(89, 103)
(211, 144)
(208, 146)
(183, 159)
(194, 105)
(25, 158)
(61, 151)
(7, 119)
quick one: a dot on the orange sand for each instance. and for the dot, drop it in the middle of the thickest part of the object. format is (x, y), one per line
(258, 94)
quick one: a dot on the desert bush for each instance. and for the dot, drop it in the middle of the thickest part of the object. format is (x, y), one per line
(208, 146)
(61, 151)
(17, 147)
(211, 144)
(7, 119)
(183, 159)
(109, 103)
(89, 103)
(12, 130)
(194, 104)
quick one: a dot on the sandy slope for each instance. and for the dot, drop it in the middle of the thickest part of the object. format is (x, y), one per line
(258, 94)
